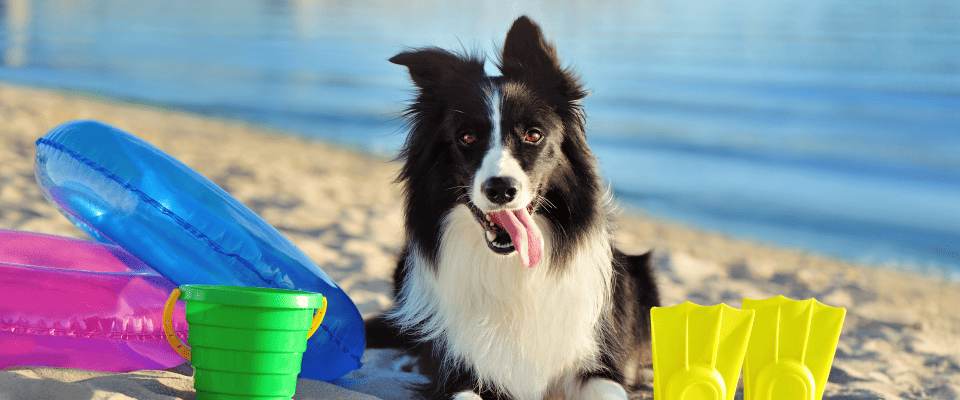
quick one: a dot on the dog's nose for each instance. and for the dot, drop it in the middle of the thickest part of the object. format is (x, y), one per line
(501, 190)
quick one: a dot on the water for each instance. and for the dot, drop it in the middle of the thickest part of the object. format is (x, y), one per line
(826, 125)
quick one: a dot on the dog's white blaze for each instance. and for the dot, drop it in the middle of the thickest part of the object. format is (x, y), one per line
(496, 109)
(528, 331)
(499, 162)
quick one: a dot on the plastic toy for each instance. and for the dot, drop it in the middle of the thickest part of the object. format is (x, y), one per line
(698, 350)
(786, 348)
(80, 304)
(247, 342)
(791, 349)
(122, 190)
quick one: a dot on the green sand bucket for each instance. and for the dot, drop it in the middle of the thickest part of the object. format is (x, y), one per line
(246, 342)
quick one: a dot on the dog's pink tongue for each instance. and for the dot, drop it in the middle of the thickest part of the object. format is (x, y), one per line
(526, 236)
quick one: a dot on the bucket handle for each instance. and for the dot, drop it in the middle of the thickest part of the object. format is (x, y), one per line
(181, 348)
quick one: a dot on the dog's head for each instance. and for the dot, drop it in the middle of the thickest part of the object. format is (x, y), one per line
(505, 146)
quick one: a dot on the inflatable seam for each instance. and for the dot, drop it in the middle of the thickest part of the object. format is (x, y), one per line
(29, 330)
(180, 221)
(343, 347)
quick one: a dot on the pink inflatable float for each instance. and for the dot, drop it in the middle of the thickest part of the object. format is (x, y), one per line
(80, 304)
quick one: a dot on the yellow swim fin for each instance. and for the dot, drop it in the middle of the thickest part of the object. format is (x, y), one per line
(791, 348)
(698, 350)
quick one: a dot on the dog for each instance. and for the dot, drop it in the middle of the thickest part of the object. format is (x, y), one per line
(509, 286)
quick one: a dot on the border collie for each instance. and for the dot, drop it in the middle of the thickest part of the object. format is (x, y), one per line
(509, 286)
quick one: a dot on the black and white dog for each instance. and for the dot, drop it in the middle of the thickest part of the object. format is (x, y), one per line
(509, 286)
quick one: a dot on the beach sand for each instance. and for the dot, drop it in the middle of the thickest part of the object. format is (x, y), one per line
(900, 339)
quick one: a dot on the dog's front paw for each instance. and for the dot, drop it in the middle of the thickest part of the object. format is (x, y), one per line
(466, 396)
(602, 389)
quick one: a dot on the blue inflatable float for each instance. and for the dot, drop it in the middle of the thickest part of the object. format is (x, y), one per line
(124, 191)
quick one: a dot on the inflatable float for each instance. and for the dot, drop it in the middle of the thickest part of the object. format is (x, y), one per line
(124, 191)
(80, 304)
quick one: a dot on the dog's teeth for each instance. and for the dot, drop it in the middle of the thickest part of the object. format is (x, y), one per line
(488, 217)
(491, 236)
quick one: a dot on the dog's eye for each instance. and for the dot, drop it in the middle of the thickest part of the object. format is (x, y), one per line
(468, 138)
(533, 135)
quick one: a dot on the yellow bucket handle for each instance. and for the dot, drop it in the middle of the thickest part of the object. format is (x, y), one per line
(178, 345)
(317, 318)
(181, 348)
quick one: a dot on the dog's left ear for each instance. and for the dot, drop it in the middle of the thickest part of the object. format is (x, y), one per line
(431, 67)
(529, 58)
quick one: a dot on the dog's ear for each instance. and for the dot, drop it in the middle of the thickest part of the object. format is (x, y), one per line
(528, 57)
(525, 49)
(431, 67)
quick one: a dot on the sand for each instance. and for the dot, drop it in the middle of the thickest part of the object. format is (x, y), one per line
(900, 339)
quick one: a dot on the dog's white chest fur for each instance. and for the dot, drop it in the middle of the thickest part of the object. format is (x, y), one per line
(527, 330)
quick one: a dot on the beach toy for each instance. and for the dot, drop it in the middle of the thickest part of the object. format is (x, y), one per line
(698, 350)
(791, 348)
(246, 342)
(80, 304)
(122, 190)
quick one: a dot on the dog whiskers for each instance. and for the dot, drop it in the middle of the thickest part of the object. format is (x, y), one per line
(463, 194)
(539, 201)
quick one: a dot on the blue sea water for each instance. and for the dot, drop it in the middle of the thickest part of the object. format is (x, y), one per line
(826, 125)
